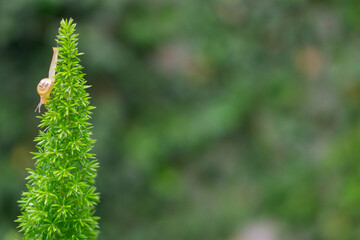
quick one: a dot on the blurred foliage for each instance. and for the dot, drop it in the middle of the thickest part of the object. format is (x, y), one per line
(211, 115)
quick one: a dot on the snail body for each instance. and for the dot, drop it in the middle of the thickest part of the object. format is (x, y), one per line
(46, 85)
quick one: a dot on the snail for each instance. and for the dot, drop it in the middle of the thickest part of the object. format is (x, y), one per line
(46, 85)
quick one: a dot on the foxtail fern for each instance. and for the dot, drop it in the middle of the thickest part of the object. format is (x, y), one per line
(60, 199)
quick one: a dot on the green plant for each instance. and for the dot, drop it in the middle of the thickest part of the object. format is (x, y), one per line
(61, 198)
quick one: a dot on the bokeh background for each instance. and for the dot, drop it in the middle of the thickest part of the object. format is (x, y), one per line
(215, 120)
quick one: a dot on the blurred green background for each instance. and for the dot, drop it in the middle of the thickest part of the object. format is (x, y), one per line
(216, 119)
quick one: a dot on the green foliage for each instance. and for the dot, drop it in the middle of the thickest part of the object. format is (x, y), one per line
(211, 114)
(61, 197)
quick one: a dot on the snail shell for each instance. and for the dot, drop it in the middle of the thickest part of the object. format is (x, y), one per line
(44, 88)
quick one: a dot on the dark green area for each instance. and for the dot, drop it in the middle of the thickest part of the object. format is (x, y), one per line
(211, 116)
